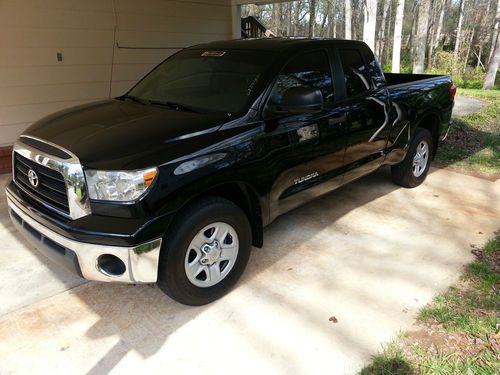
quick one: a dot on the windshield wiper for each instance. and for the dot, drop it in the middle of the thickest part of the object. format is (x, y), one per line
(174, 105)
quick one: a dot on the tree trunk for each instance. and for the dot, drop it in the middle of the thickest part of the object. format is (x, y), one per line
(459, 29)
(423, 21)
(296, 15)
(431, 34)
(275, 19)
(389, 22)
(348, 18)
(357, 19)
(491, 73)
(471, 37)
(326, 12)
(398, 29)
(370, 13)
(467, 54)
(312, 18)
(381, 41)
(439, 28)
(495, 33)
(411, 39)
(289, 19)
(478, 55)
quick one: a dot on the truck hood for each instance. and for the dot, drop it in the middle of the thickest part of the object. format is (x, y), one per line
(114, 134)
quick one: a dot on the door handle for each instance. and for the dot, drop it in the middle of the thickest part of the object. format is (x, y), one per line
(337, 120)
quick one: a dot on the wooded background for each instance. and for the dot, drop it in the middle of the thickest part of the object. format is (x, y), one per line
(457, 37)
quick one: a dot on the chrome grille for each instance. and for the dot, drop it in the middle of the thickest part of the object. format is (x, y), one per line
(61, 181)
(51, 190)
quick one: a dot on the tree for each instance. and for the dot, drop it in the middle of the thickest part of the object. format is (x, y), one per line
(437, 36)
(326, 14)
(312, 17)
(421, 37)
(398, 28)
(491, 73)
(370, 13)
(348, 18)
(416, 31)
(381, 35)
(495, 34)
(459, 29)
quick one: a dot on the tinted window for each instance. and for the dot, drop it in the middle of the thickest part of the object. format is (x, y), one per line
(219, 81)
(355, 73)
(307, 69)
(374, 69)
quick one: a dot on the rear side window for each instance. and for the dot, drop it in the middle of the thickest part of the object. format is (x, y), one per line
(306, 69)
(355, 72)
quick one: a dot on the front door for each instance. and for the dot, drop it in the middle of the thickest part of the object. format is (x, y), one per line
(309, 147)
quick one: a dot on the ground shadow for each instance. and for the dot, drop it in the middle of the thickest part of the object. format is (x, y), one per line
(464, 142)
(384, 365)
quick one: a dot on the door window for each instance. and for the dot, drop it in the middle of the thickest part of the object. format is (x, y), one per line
(355, 72)
(307, 69)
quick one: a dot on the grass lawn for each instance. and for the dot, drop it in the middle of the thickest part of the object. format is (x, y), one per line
(458, 332)
(473, 145)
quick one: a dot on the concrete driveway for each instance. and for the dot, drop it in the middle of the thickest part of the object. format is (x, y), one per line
(336, 279)
(465, 105)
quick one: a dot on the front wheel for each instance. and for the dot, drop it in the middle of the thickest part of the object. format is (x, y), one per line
(205, 252)
(412, 171)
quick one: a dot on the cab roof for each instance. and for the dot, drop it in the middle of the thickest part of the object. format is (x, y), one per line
(274, 44)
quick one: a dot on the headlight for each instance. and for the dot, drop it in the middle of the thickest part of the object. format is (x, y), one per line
(119, 186)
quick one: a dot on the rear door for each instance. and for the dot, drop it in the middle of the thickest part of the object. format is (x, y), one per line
(310, 164)
(367, 108)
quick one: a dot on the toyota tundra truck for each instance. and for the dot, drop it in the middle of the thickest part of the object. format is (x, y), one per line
(173, 182)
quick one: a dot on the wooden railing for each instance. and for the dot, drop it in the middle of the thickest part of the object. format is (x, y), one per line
(251, 27)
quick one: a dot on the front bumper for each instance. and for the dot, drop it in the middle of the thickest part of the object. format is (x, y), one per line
(141, 261)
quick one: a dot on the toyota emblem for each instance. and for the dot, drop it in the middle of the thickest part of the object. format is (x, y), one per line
(33, 178)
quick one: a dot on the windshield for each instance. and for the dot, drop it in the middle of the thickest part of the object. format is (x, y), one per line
(205, 81)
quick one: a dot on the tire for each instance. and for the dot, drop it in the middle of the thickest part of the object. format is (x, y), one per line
(187, 249)
(412, 171)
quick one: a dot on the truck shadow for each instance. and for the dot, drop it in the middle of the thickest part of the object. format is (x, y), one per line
(464, 142)
(124, 320)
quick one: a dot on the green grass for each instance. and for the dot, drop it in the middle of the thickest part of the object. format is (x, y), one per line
(453, 364)
(473, 144)
(469, 312)
(473, 307)
(392, 362)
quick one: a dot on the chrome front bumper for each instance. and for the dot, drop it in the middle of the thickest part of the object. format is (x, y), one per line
(141, 261)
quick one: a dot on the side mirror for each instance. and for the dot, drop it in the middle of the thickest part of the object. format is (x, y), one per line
(300, 99)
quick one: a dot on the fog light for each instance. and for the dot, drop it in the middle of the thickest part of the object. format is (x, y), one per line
(110, 265)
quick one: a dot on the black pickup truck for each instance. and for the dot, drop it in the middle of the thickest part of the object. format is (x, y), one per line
(174, 181)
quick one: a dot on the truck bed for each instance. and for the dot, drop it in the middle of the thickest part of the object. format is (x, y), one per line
(394, 79)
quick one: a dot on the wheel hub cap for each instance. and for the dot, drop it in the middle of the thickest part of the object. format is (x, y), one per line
(211, 254)
(420, 159)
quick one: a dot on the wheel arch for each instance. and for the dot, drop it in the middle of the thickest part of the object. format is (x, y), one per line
(431, 121)
(245, 197)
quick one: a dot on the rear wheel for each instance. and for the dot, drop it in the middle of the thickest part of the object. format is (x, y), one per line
(412, 171)
(205, 252)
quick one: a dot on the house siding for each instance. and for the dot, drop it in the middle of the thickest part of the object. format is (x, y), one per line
(106, 47)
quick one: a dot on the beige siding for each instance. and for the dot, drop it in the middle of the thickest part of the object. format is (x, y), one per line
(104, 44)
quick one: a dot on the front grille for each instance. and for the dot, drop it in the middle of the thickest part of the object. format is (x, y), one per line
(51, 189)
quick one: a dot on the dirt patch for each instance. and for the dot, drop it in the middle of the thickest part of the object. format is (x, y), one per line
(434, 339)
